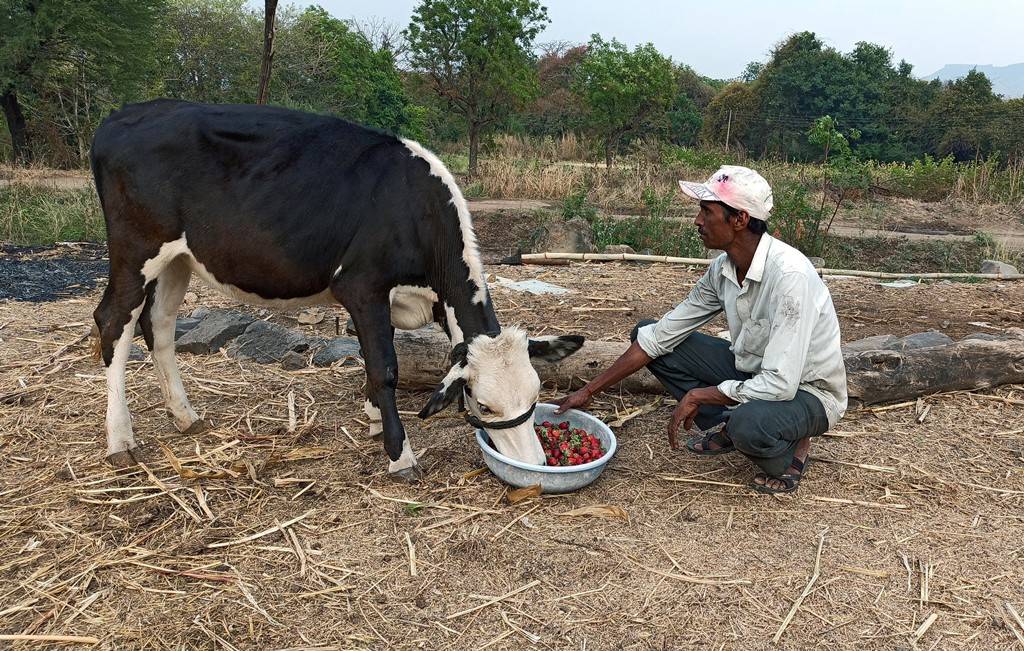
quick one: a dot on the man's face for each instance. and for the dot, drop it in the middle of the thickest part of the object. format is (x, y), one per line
(716, 231)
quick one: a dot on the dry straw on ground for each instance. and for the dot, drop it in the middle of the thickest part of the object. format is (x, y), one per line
(907, 531)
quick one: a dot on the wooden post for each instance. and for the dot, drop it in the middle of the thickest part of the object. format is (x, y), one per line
(270, 13)
(728, 130)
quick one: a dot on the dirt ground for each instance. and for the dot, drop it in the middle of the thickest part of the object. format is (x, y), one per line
(904, 534)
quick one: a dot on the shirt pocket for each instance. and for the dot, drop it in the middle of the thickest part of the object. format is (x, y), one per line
(755, 336)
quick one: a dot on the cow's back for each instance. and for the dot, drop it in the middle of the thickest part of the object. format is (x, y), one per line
(260, 192)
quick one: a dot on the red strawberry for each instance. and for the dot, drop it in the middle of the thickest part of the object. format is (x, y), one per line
(563, 425)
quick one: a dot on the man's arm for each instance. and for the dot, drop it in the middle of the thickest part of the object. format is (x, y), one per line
(628, 363)
(654, 340)
(700, 306)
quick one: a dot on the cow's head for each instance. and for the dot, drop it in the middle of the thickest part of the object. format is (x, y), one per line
(501, 386)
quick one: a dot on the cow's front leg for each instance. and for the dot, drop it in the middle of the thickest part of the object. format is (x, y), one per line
(376, 338)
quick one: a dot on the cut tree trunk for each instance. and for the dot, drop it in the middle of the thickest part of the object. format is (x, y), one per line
(423, 362)
(17, 126)
(876, 376)
(873, 376)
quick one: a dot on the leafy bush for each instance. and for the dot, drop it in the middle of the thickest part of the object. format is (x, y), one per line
(794, 219)
(926, 179)
(655, 235)
(575, 205)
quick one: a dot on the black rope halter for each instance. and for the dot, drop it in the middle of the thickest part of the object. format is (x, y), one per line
(500, 424)
(493, 424)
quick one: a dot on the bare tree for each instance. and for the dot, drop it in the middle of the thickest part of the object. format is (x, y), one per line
(385, 35)
(270, 13)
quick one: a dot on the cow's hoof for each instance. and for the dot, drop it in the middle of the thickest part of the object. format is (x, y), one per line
(123, 459)
(374, 431)
(410, 475)
(198, 427)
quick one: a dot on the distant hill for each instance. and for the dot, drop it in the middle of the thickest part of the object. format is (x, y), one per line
(1007, 81)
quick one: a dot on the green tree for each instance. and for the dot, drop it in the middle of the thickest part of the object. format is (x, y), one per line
(962, 117)
(557, 108)
(214, 50)
(323, 64)
(685, 120)
(111, 40)
(842, 172)
(733, 112)
(624, 92)
(803, 79)
(478, 56)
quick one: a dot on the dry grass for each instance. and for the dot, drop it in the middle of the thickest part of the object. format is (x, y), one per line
(567, 147)
(253, 536)
(31, 214)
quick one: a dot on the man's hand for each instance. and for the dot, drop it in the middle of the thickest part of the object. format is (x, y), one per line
(687, 408)
(576, 400)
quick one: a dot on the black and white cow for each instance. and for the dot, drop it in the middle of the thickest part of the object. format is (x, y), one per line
(284, 208)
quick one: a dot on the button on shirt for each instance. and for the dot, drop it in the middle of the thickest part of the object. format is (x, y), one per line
(782, 324)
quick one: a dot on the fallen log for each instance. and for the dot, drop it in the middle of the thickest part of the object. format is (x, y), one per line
(873, 376)
(423, 361)
(876, 376)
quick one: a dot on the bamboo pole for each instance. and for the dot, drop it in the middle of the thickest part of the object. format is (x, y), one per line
(531, 258)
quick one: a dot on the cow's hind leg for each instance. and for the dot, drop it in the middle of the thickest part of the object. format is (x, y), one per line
(372, 318)
(115, 320)
(162, 309)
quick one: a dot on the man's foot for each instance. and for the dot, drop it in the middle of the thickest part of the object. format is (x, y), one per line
(710, 444)
(789, 481)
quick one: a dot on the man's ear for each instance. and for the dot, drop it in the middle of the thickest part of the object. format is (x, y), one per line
(451, 386)
(742, 219)
(553, 349)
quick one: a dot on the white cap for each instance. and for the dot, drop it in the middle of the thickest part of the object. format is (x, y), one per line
(740, 188)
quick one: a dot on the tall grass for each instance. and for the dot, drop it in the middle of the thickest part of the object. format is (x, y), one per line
(548, 168)
(34, 215)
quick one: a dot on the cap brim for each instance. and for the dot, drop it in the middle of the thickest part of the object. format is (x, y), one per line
(698, 191)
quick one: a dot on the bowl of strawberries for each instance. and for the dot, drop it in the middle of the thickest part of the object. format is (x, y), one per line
(577, 447)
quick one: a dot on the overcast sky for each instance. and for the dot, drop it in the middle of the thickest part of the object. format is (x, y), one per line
(718, 38)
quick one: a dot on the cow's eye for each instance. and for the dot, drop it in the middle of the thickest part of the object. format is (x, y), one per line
(485, 410)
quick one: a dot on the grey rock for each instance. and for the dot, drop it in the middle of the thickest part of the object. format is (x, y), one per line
(573, 236)
(265, 343)
(136, 353)
(618, 248)
(819, 263)
(878, 342)
(293, 361)
(350, 327)
(927, 339)
(185, 324)
(986, 336)
(997, 267)
(200, 313)
(216, 329)
(336, 349)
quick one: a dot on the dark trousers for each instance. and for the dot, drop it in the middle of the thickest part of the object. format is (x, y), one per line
(765, 431)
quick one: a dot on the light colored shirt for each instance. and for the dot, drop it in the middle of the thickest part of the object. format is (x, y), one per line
(782, 324)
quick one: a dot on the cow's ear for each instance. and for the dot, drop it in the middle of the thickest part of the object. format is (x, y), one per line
(449, 389)
(552, 349)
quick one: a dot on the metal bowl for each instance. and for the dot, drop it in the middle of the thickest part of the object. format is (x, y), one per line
(552, 479)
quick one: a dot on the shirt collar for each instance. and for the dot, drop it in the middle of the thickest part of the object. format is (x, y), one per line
(757, 265)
